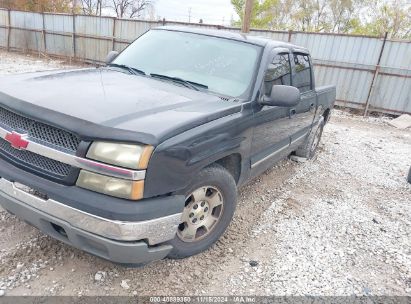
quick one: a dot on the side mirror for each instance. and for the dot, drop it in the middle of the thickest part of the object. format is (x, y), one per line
(111, 56)
(282, 96)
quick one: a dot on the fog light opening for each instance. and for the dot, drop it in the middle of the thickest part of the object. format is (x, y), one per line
(60, 230)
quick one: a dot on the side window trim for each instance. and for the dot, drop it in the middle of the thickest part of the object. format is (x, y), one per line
(277, 52)
(293, 71)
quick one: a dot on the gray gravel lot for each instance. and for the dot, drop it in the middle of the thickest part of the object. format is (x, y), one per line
(336, 225)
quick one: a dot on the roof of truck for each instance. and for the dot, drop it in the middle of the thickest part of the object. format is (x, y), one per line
(261, 41)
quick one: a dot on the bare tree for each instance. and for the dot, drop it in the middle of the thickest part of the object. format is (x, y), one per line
(92, 7)
(130, 8)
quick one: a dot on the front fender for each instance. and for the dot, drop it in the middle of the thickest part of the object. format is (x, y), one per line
(177, 160)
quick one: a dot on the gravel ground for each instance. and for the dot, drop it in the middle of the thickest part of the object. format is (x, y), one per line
(336, 225)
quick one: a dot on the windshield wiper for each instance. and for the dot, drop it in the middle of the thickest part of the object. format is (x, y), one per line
(132, 70)
(189, 84)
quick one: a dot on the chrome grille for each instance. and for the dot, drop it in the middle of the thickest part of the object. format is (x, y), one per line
(36, 161)
(39, 131)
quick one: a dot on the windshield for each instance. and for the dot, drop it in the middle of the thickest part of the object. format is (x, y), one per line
(224, 66)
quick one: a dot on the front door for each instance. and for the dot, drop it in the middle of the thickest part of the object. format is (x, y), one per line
(271, 139)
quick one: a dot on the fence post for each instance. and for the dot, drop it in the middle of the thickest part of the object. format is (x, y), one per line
(374, 77)
(290, 32)
(73, 37)
(114, 34)
(9, 29)
(44, 35)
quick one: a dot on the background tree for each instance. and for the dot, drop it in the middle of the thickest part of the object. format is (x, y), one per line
(54, 6)
(342, 14)
(393, 17)
(92, 7)
(370, 17)
(260, 17)
(130, 8)
(121, 8)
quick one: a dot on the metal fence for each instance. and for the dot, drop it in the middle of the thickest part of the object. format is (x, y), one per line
(371, 73)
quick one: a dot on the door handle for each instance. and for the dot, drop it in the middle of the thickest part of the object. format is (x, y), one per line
(292, 113)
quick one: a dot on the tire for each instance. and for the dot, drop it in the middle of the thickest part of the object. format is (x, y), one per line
(308, 149)
(409, 176)
(213, 178)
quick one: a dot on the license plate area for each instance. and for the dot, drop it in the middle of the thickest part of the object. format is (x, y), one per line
(31, 191)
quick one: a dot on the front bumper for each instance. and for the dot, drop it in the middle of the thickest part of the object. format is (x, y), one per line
(118, 241)
(98, 204)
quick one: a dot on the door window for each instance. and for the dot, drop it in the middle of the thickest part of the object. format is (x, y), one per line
(278, 73)
(302, 75)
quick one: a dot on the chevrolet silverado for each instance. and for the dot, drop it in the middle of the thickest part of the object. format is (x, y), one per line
(141, 159)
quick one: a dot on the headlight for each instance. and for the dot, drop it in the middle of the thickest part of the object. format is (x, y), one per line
(128, 189)
(123, 155)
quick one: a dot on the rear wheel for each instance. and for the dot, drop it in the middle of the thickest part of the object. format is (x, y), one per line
(409, 176)
(209, 207)
(308, 149)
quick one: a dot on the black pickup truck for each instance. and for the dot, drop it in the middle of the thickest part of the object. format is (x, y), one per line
(141, 159)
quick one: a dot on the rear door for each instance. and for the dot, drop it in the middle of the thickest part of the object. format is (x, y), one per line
(271, 138)
(302, 115)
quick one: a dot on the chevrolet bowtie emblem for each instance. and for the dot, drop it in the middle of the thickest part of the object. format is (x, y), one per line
(17, 140)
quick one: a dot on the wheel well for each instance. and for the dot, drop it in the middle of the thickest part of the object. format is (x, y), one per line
(232, 163)
(326, 115)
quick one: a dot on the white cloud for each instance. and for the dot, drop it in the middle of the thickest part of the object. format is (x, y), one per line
(211, 11)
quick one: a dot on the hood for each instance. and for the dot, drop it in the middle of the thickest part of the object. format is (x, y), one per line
(89, 102)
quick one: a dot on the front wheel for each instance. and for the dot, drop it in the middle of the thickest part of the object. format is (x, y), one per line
(209, 207)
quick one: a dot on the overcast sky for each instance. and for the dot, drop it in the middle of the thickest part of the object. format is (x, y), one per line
(211, 11)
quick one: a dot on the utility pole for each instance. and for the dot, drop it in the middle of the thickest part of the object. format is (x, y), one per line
(189, 14)
(247, 16)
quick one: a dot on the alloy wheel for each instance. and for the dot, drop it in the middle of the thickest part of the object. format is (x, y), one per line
(203, 210)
